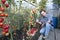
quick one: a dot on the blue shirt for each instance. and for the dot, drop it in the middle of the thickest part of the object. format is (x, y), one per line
(46, 18)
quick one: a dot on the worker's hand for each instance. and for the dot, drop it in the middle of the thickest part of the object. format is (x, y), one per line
(37, 21)
(43, 25)
(49, 21)
(40, 23)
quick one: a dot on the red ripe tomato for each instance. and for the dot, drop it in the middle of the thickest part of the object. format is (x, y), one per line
(6, 15)
(2, 14)
(33, 30)
(2, 9)
(1, 19)
(1, 24)
(6, 30)
(7, 5)
(3, 1)
(6, 26)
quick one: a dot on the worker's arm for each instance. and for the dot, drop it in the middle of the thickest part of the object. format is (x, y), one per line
(49, 18)
(49, 21)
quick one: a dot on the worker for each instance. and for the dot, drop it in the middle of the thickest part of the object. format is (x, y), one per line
(46, 23)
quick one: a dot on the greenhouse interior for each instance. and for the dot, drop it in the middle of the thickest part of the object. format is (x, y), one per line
(29, 19)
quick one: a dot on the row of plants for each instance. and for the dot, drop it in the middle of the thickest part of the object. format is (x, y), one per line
(23, 18)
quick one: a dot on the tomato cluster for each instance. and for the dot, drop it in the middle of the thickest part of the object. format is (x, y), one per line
(4, 2)
(5, 27)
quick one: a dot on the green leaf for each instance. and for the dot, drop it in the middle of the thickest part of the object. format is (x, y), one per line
(0, 5)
